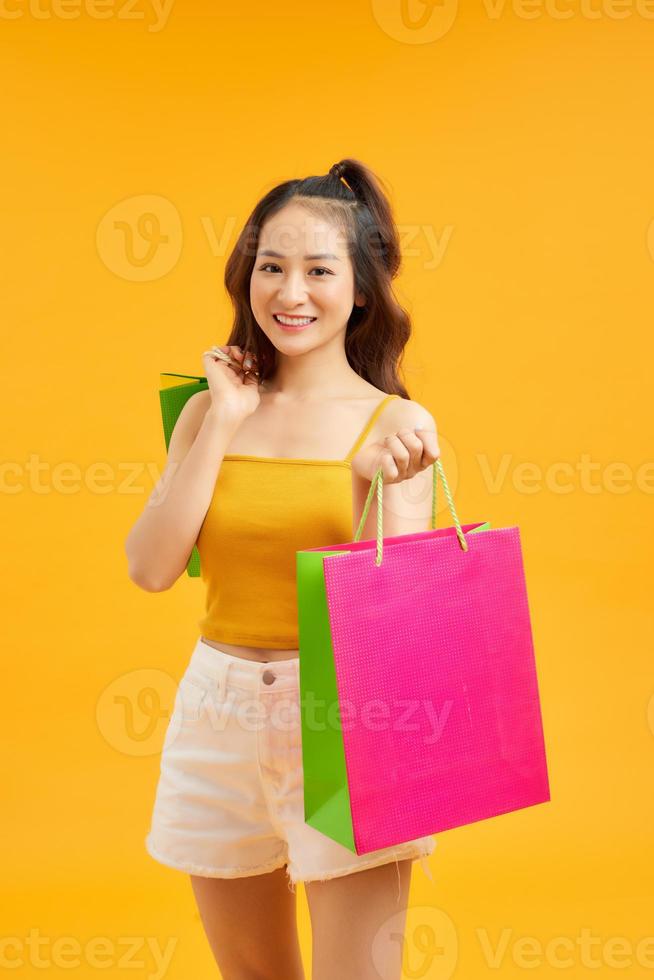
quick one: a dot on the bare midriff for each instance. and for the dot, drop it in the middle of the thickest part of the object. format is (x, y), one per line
(263, 655)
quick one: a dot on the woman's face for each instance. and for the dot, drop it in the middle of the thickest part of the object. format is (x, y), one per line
(302, 269)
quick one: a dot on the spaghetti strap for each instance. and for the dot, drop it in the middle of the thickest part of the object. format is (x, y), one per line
(367, 427)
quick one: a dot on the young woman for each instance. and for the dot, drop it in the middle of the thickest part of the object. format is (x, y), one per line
(277, 455)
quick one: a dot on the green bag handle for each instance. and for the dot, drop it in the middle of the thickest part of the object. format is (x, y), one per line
(378, 481)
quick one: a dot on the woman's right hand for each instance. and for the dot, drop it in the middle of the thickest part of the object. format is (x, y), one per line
(233, 388)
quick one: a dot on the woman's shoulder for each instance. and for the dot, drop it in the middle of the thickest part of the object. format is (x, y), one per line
(397, 414)
(406, 413)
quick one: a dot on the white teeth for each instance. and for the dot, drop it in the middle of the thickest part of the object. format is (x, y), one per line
(290, 321)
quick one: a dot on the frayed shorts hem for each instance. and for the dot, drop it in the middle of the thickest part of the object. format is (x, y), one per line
(280, 861)
(205, 872)
(387, 859)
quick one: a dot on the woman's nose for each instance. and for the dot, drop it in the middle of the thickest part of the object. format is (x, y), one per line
(293, 288)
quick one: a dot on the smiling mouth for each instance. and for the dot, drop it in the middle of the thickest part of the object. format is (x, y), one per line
(294, 321)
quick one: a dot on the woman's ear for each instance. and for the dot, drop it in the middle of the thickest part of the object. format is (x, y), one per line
(359, 300)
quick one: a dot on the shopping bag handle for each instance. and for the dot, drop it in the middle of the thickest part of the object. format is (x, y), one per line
(378, 481)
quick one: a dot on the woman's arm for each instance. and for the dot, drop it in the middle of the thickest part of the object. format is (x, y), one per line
(160, 543)
(407, 503)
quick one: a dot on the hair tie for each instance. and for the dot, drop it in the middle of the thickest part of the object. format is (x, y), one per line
(337, 171)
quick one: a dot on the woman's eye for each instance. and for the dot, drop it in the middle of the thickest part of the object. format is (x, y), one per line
(272, 265)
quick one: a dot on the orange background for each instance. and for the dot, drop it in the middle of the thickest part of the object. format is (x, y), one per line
(516, 142)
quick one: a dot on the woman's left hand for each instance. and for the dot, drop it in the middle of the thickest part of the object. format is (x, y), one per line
(401, 456)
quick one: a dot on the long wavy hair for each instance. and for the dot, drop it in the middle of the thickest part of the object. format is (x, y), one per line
(351, 197)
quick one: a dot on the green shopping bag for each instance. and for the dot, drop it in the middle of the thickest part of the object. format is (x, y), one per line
(326, 794)
(173, 395)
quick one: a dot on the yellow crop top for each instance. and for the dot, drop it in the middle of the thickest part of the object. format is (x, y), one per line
(263, 510)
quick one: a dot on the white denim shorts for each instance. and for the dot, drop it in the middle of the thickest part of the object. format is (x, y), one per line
(230, 796)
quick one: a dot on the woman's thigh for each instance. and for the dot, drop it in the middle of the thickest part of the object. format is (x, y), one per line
(251, 925)
(358, 923)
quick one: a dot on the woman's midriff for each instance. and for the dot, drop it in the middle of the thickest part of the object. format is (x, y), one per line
(261, 654)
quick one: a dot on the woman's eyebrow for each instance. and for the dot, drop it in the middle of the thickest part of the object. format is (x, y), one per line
(320, 255)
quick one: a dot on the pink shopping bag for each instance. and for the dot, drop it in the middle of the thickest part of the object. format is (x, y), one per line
(439, 714)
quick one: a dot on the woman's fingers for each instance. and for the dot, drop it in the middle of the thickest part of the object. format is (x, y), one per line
(246, 360)
(430, 448)
(406, 448)
(389, 466)
(407, 452)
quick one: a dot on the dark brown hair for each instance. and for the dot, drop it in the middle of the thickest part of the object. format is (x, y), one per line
(377, 333)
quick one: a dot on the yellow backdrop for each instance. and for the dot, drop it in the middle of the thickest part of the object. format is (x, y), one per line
(516, 140)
